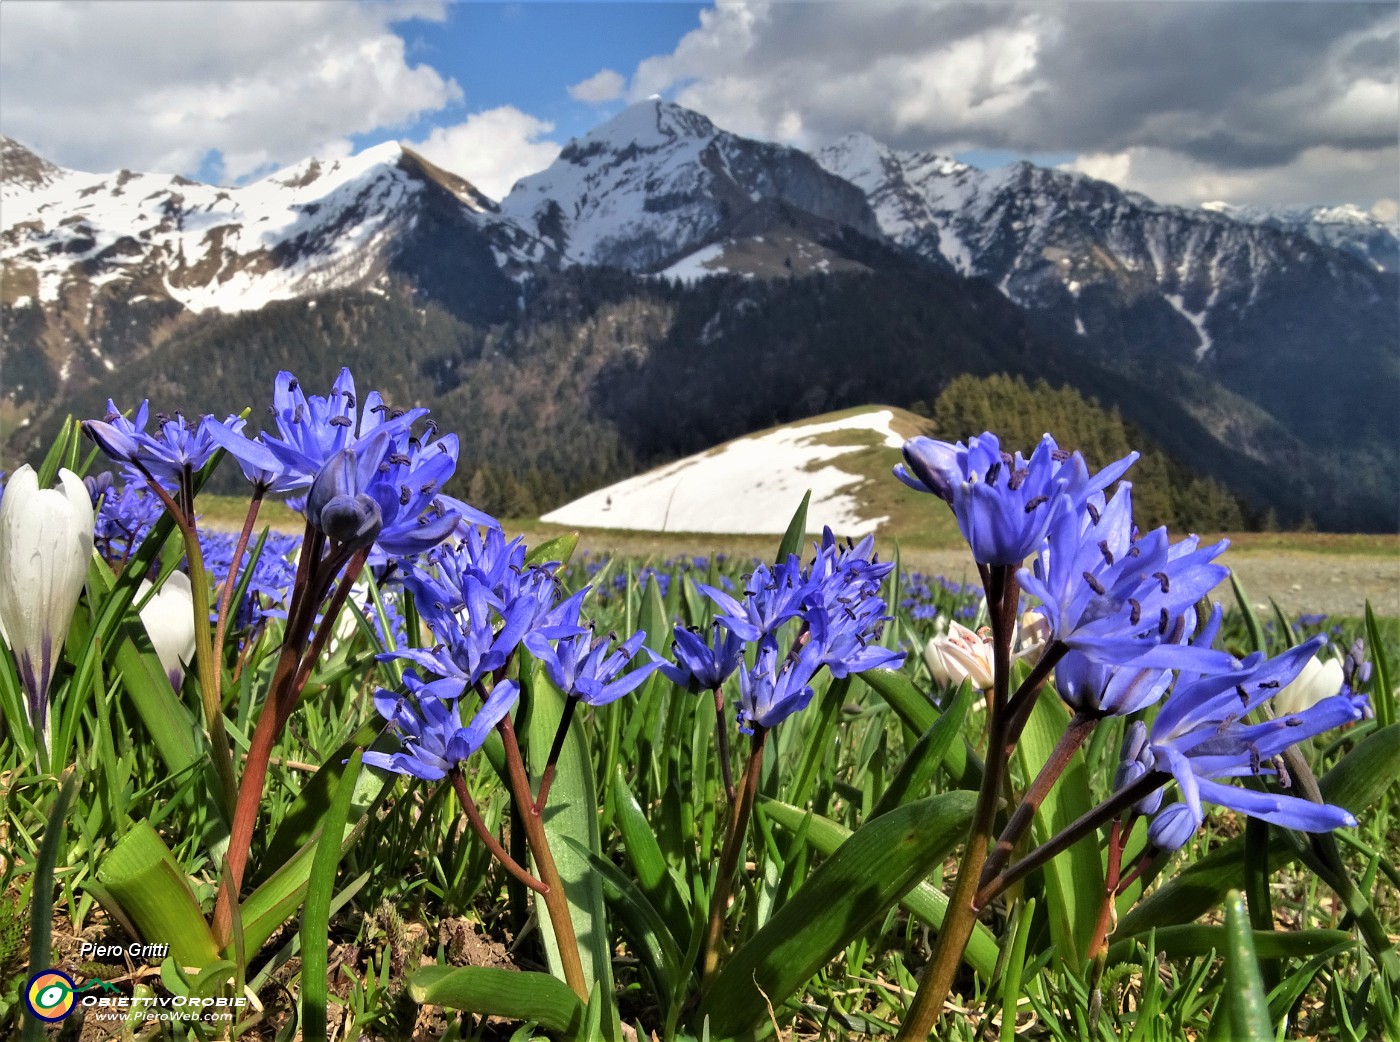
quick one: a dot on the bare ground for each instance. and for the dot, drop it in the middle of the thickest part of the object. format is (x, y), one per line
(1298, 581)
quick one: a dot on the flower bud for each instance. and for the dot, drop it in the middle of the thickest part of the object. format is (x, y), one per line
(1317, 680)
(45, 543)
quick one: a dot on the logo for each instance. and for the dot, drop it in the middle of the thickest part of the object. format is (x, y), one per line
(49, 995)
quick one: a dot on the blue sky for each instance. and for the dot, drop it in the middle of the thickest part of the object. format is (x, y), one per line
(1250, 102)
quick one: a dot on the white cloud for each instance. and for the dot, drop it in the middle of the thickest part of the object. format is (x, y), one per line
(1256, 96)
(492, 149)
(159, 86)
(1324, 175)
(604, 85)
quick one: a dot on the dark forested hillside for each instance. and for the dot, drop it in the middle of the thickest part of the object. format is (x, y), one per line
(601, 374)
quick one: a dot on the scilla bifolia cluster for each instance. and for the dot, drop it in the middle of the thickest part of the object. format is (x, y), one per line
(1125, 634)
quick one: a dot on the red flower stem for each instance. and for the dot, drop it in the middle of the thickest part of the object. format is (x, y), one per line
(555, 900)
(722, 746)
(1073, 832)
(459, 783)
(1003, 598)
(1081, 725)
(323, 634)
(1117, 839)
(231, 580)
(301, 612)
(729, 857)
(1142, 866)
(555, 748)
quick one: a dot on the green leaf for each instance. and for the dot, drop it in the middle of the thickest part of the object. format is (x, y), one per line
(928, 754)
(650, 937)
(41, 903)
(1074, 884)
(796, 530)
(919, 714)
(924, 902)
(1357, 781)
(572, 810)
(560, 549)
(1251, 620)
(1382, 688)
(1244, 989)
(648, 863)
(315, 915)
(1194, 939)
(153, 892)
(500, 993)
(880, 863)
(302, 821)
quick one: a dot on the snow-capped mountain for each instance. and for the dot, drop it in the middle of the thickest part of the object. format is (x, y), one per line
(1255, 306)
(299, 231)
(1345, 227)
(1261, 328)
(1057, 241)
(93, 262)
(659, 183)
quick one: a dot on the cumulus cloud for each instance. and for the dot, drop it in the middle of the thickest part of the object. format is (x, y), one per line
(491, 149)
(1261, 96)
(1324, 175)
(604, 85)
(160, 86)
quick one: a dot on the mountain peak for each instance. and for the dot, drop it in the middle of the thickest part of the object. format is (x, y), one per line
(653, 123)
(21, 166)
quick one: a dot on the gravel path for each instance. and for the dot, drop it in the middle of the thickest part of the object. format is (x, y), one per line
(1330, 583)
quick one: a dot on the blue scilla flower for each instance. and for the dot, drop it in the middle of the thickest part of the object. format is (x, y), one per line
(1094, 687)
(480, 601)
(175, 447)
(1118, 598)
(702, 666)
(772, 596)
(268, 588)
(1199, 736)
(590, 668)
(433, 736)
(1004, 504)
(126, 512)
(310, 430)
(776, 687)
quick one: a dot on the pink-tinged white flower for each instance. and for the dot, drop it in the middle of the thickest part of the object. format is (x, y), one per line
(961, 655)
(45, 544)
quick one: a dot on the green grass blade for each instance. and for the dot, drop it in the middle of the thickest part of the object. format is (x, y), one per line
(499, 993)
(869, 873)
(315, 914)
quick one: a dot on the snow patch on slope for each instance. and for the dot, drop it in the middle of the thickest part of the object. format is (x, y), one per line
(751, 485)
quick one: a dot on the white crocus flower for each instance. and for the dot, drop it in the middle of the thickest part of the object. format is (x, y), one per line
(961, 655)
(1319, 679)
(45, 544)
(169, 620)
